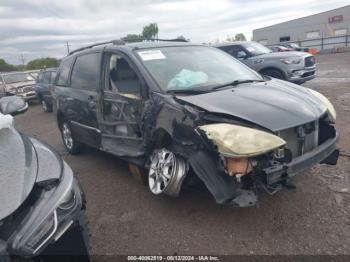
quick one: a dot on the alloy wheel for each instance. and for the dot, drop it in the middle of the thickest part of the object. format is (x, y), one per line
(67, 136)
(166, 173)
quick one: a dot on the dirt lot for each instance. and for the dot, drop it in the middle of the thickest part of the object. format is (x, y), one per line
(125, 218)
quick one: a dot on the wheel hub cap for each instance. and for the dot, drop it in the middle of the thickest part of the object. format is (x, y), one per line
(67, 136)
(166, 172)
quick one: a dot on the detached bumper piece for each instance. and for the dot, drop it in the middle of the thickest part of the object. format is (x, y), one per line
(223, 187)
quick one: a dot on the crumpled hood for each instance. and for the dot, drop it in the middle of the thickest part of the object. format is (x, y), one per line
(275, 104)
(282, 55)
(24, 161)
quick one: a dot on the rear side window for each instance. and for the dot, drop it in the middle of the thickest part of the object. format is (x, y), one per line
(86, 71)
(64, 72)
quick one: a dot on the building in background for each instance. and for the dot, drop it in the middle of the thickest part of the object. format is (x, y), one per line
(326, 30)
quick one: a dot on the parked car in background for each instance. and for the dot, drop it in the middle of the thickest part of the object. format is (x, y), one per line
(42, 209)
(295, 47)
(18, 83)
(296, 67)
(43, 88)
(279, 48)
(185, 112)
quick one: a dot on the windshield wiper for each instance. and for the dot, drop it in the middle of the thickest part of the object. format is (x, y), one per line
(186, 91)
(237, 82)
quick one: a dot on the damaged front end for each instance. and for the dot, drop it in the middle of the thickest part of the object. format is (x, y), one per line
(250, 158)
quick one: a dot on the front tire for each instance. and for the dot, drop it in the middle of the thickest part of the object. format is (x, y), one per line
(167, 172)
(273, 73)
(72, 146)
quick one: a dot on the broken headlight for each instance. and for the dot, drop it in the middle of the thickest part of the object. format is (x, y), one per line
(240, 141)
(331, 111)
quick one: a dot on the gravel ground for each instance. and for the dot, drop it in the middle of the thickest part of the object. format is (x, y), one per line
(125, 218)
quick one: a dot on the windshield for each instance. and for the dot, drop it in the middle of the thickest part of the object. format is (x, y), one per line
(20, 77)
(189, 67)
(256, 48)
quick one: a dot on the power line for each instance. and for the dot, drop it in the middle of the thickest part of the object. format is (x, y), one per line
(22, 59)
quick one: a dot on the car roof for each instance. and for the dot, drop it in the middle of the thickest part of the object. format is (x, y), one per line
(14, 73)
(131, 46)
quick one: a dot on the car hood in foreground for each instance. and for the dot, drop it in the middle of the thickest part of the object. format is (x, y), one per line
(18, 170)
(275, 104)
(24, 161)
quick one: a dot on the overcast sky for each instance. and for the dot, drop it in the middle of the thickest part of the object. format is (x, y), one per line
(40, 28)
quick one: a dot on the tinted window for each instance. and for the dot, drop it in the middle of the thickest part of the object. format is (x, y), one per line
(232, 50)
(46, 78)
(64, 72)
(85, 71)
(284, 38)
(53, 76)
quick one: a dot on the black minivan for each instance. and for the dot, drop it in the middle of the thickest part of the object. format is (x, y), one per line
(183, 111)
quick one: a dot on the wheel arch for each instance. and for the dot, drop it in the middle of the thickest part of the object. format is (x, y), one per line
(60, 117)
(262, 70)
(161, 138)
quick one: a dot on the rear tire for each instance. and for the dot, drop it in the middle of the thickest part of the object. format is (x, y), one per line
(273, 73)
(46, 107)
(73, 147)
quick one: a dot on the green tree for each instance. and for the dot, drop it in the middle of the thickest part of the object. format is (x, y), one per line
(5, 67)
(150, 31)
(132, 38)
(181, 37)
(240, 37)
(41, 63)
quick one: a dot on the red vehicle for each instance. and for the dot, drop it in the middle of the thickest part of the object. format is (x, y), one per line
(279, 48)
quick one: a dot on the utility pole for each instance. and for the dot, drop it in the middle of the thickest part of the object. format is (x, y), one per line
(67, 45)
(23, 60)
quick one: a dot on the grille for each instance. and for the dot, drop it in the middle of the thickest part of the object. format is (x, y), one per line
(309, 61)
(301, 139)
(28, 88)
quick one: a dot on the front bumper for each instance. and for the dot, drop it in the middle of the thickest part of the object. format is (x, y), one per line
(286, 171)
(303, 75)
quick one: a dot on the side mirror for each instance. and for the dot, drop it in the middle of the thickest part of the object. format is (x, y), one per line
(241, 55)
(12, 105)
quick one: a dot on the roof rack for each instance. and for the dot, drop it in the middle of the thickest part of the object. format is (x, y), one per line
(172, 40)
(122, 42)
(114, 42)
